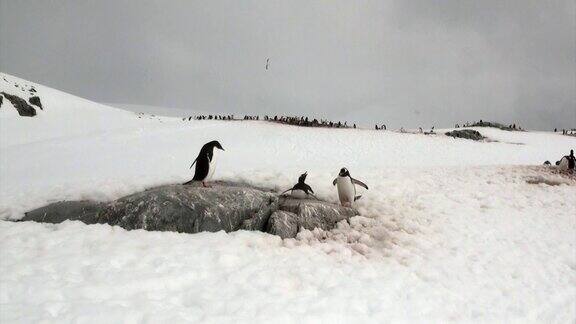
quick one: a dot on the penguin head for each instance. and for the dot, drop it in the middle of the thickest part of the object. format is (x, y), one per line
(344, 172)
(215, 144)
(302, 177)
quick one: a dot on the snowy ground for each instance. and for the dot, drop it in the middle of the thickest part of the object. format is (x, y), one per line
(452, 230)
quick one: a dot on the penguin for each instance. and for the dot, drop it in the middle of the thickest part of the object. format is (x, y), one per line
(205, 163)
(567, 162)
(346, 187)
(301, 190)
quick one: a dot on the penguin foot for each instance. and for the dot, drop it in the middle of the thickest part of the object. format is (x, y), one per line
(205, 185)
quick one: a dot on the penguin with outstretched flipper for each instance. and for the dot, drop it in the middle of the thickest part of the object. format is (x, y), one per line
(301, 190)
(347, 187)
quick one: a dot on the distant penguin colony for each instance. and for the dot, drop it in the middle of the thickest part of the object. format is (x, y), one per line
(205, 163)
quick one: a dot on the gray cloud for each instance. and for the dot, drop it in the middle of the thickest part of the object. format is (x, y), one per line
(405, 63)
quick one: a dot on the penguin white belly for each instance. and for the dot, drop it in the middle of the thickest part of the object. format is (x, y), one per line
(298, 194)
(345, 190)
(563, 164)
(211, 167)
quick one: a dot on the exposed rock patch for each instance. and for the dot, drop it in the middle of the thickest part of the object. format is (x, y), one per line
(192, 209)
(85, 211)
(313, 214)
(466, 133)
(35, 100)
(283, 224)
(23, 108)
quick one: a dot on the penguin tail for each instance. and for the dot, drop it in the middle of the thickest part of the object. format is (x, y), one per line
(188, 182)
(357, 197)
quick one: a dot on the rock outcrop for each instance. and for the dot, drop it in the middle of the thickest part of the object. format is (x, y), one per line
(85, 211)
(192, 209)
(35, 100)
(466, 133)
(23, 108)
(316, 213)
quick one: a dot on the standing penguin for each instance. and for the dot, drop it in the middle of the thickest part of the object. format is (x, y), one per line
(346, 187)
(205, 163)
(301, 190)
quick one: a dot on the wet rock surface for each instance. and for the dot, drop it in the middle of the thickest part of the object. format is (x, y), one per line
(192, 209)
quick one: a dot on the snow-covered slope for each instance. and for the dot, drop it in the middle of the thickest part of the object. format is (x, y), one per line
(451, 230)
(64, 116)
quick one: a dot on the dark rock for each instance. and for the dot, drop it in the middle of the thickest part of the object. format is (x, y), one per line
(466, 133)
(313, 214)
(23, 108)
(84, 211)
(283, 224)
(35, 101)
(1, 97)
(191, 209)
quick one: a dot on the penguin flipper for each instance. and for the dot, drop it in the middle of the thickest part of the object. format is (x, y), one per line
(334, 182)
(285, 191)
(360, 183)
(193, 163)
(357, 197)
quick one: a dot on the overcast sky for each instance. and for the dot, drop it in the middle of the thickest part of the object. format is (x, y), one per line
(403, 63)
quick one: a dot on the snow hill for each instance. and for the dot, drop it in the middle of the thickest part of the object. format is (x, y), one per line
(451, 229)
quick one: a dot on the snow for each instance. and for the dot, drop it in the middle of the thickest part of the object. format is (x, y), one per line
(451, 229)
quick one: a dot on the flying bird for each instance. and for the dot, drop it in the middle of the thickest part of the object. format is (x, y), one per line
(267, 63)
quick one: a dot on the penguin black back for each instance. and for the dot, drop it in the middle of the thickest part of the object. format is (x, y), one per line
(301, 185)
(203, 160)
